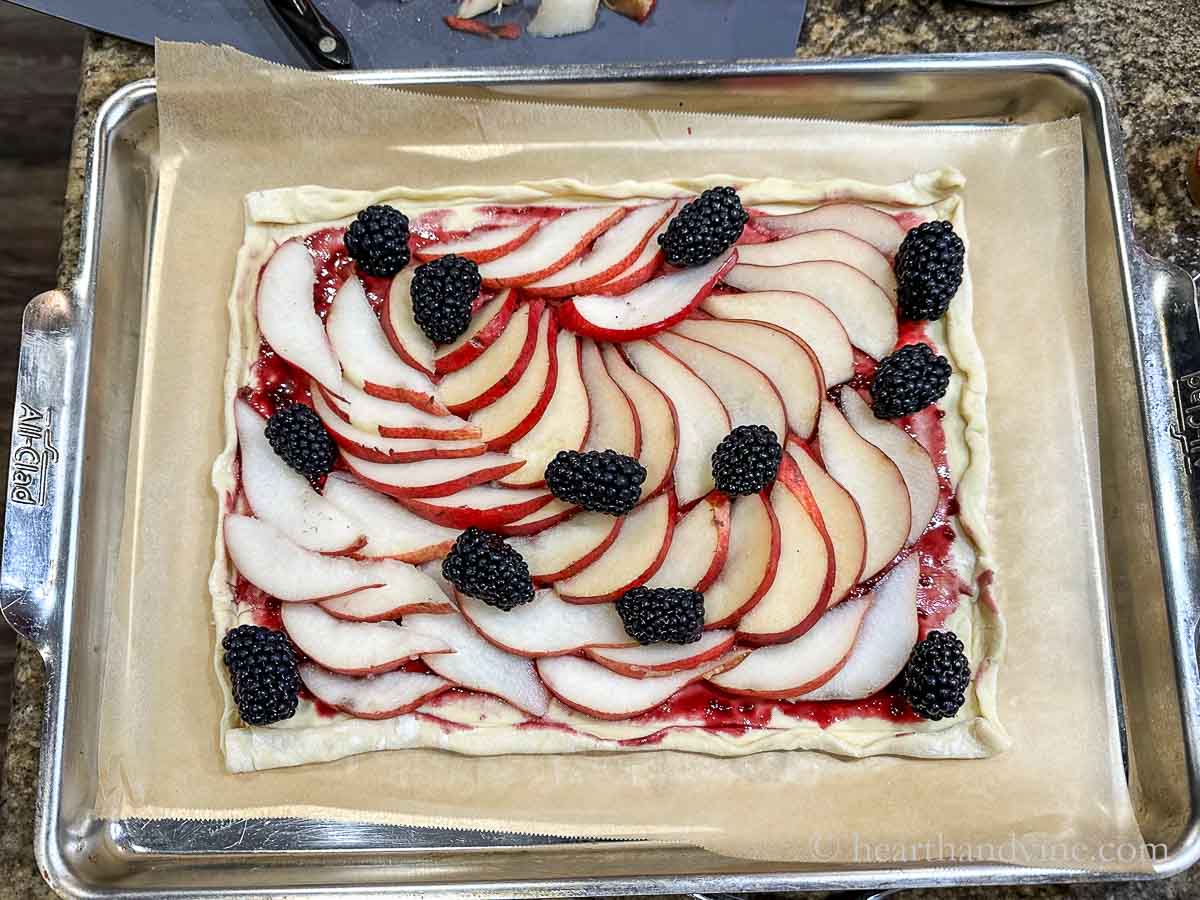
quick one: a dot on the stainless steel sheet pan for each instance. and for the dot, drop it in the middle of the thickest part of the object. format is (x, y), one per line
(75, 398)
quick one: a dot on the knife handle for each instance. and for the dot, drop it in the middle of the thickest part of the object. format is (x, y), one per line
(313, 33)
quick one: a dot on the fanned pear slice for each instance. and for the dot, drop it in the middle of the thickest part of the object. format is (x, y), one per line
(391, 531)
(800, 593)
(749, 396)
(432, 477)
(915, 464)
(356, 648)
(825, 243)
(614, 423)
(798, 314)
(700, 416)
(512, 416)
(613, 253)
(555, 512)
(564, 424)
(699, 546)
(636, 554)
(486, 506)
(287, 317)
(483, 244)
(373, 446)
(367, 357)
(272, 563)
(555, 246)
(641, 270)
(750, 563)
(785, 359)
(401, 328)
(651, 307)
(568, 547)
(546, 626)
(885, 641)
(803, 664)
(873, 481)
(866, 312)
(406, 590)
(491, 374)
(658, 430)
(842, 520)
(381, 696)
(391, 419)
(659, 659)
(487, 324)
(872, 225)
(601, 693)
(478, 665)
(282, 497)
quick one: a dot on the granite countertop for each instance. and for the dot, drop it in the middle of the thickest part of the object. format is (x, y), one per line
(1149, 50)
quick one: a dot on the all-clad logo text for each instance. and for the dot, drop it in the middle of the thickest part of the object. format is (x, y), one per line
(33, 455)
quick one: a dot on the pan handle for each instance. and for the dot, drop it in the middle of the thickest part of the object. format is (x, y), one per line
(1168, 351)
(41, 503)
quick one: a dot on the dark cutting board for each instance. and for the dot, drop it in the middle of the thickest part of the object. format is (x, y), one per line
(411, 33)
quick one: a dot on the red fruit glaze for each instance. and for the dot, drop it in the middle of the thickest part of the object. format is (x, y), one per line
(908, 219)
(751, 234)
(274, 383)
(737, 715)
(334, 266)
(324, 710)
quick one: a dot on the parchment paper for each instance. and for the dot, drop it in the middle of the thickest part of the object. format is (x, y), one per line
(231, 124)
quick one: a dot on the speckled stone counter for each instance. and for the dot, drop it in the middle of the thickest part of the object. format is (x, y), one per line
(1149, 50)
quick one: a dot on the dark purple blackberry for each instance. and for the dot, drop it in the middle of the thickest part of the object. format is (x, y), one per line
(704, 228)
(937, 676)
(377, 240)
(482, 566)
(746, 460)
(262, 666)
(443, 292)
(300, 439)
(672, 615)
(600, 480)
(908, 380)
(929, 269)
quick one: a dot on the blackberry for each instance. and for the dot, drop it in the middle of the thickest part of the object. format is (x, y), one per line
(443, 292)
(746, 460)
(262, 666)
(600, 480)
(908, 380)
(937, 676)
(673, 615)
(704, 228)
(300, 439)
(377, 240)
(482, 566)
(929, 269)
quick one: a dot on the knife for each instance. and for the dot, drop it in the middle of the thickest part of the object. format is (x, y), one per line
(312, 33)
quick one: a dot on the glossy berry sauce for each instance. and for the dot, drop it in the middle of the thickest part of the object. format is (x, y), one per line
(727, 714)
(753, 234)
(276, 383)
(334, 265)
